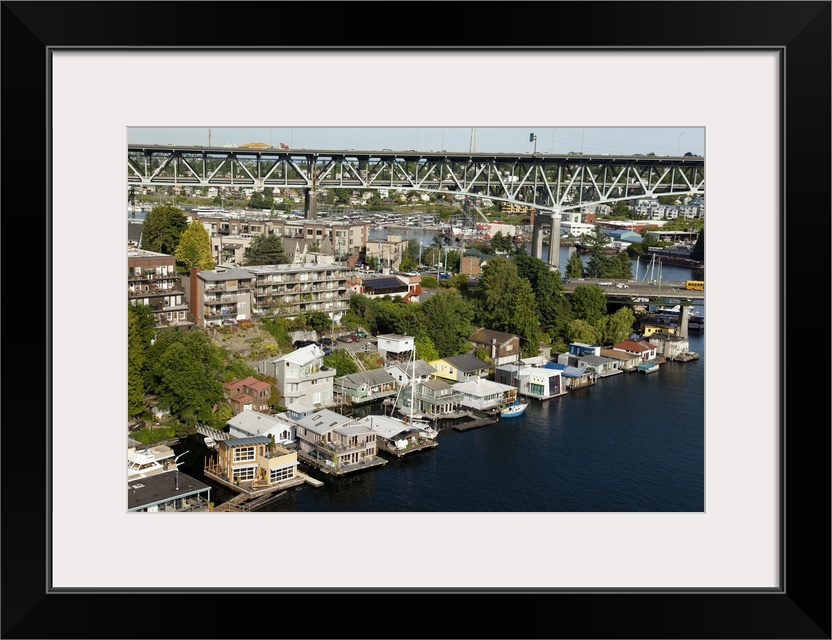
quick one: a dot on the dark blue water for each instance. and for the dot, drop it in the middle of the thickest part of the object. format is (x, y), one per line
(632, 442)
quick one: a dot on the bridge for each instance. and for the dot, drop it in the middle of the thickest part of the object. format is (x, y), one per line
(549, 184)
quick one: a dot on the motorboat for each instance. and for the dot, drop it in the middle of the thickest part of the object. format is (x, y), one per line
(648, 367)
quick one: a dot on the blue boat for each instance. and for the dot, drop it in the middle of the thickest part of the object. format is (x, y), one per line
(513, 410)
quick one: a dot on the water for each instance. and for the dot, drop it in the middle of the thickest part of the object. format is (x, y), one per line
(631, 443)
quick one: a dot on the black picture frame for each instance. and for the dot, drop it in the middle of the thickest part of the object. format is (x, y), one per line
(800, 31)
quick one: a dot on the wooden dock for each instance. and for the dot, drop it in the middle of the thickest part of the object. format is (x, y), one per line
(477, 420)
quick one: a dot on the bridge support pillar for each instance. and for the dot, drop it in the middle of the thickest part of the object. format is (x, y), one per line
(554, 240)
(537, 238)
(310, 204)
(684, 314)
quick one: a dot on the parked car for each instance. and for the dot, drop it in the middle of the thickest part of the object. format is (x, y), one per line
(299, 344)
(360, 334)
(327, 341)
(344, 338)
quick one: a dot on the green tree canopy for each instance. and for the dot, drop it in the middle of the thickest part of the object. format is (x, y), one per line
(341, 361)
(185, 371)
(583, 331)
(425, 349)
(265, 249)
(194, 248)
(589, 303)
(617, 326)
(162, 229)
(499, 276)
(575, 265)
(447, 320)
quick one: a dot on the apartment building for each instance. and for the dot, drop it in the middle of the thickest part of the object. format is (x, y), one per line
(227, 294)
(152, 280)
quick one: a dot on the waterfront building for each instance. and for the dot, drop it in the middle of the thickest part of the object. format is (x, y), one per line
(168, 492)
(645, 350)
(364, 386)
(436, 399)
(301, 376)
(252, 463)
(602, 366)
(403, 372)
(626, 361)
(669, 345)
(152, 280)
(481, 394)
(460, 368)
(250, 424)
(335, 443)
(574, 377)
(540, 383)
(394, 347)
(502, 347)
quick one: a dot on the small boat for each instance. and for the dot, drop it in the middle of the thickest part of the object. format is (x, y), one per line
(210, 442)
(513, 410)
(648, 367)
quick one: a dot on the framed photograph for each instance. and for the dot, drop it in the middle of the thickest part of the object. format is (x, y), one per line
(753, 564)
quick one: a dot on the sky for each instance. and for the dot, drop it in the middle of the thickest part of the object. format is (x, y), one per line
(663, 141)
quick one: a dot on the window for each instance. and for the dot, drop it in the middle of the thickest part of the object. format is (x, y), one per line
(243, 454)
(278, 475)
(245, 473)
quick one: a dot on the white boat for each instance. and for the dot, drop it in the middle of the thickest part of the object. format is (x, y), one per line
(148, 461)
(210, 442)
(513, 410)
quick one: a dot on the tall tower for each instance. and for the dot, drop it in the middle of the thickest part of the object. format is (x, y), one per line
(473, 148)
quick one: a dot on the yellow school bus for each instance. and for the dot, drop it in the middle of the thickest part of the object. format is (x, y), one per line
(696, 285)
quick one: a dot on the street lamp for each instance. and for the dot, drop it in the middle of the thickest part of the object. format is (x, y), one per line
(679, 145)
(553, 141)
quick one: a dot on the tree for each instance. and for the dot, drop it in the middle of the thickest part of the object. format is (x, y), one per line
(265, 249)
(589, 303)
(425, 349)
(319, 321)
(447, 320)
(499, 276)
(575, 265)
(616, 327)
(162, 229)
(341, 361)
(185, 371)
(523, 317)
(194, 248)
(583, 331)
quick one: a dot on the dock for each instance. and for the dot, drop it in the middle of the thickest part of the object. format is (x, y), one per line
(413, 448)
(476, 421)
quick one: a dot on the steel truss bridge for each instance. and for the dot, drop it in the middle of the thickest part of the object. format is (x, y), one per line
(548, 183)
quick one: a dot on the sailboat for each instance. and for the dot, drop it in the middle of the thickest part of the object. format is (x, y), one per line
(423, 426)
(516, 408)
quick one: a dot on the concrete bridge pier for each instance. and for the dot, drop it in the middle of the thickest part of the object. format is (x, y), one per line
(684, 314)
(537, 238)
(310, 204)
(554, 239)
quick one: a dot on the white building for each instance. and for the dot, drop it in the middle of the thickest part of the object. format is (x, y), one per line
(248, 424)
(302, 376)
